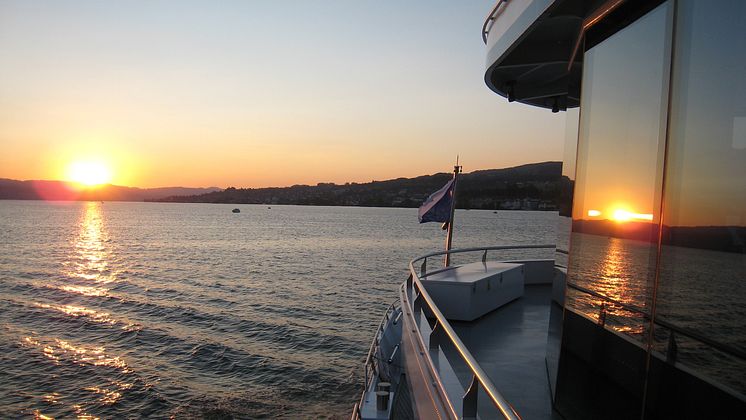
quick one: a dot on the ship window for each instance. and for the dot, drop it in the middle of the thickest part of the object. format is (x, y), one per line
(615, 221)
(702, 279)
(619, 175)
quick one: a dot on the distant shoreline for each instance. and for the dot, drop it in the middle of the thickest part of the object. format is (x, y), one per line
(535, 186)
(247, 204)
(527, 187)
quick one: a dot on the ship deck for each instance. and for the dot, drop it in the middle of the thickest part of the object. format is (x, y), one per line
(510, 344)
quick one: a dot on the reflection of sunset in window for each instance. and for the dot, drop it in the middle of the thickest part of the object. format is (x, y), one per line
(621, 215)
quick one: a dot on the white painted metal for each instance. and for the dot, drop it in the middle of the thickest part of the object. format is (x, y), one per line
(469, 291)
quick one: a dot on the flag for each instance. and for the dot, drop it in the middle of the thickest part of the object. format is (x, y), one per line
(437, 207)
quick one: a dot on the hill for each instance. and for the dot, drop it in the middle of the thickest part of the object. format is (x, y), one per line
(11, 189)
(527, 187)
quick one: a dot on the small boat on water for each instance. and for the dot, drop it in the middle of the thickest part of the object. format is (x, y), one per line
(236, 211)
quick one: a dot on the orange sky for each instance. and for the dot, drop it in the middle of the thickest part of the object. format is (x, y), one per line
(206, 96)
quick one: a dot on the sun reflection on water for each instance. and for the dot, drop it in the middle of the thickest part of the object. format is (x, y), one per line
(79, 311)
(613, 269)
(91, 255)
(57, 350)
(39, 416)
(107, 396)
(52, 398)
(64, 352)
(89, 270)
(81, 415)
(86, 290)
(620, 276)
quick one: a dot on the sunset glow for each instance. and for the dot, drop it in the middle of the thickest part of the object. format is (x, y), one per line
(226, 105)
(89, 173)
(621, 215)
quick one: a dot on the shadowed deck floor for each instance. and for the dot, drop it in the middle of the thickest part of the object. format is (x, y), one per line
(510, 346)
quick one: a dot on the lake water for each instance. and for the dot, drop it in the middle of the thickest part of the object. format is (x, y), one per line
(188, 310)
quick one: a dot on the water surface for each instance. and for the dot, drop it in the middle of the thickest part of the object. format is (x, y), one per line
(188, 310)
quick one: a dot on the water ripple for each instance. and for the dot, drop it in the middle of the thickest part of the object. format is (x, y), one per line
(116, 310)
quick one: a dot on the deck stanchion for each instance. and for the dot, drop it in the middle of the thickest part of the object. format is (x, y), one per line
(469, 402)
(672, 349)
(434, 336)
(417, 309)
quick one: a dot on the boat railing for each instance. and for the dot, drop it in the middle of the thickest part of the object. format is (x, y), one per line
(491, 17)
(369, 369)
(484, 250)
(419, 298)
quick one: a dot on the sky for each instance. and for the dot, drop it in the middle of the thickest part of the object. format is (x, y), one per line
(255, 93)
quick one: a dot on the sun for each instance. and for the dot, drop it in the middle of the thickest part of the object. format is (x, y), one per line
(622, 215)
(89, 173)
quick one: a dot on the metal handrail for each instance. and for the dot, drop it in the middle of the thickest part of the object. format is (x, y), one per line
(374, 343)
(483, 248)
(497, 399)
(436, 378)
(491, 17)
(369, 359)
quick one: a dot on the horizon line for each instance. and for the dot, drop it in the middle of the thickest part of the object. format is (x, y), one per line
(83, 186)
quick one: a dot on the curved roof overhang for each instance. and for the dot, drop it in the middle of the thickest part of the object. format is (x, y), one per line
(535, 47)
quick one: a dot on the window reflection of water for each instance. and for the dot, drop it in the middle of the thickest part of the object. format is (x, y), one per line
(617, 269)
(702, 301)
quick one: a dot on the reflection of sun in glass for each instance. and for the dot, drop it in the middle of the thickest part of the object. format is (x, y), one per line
(621, 214)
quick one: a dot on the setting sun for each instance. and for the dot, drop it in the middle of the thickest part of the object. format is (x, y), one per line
(621, 215)
(89, 173)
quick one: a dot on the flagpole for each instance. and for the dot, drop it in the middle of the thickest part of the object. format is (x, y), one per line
(449, 236)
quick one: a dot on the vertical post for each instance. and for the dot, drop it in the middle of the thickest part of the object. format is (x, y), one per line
(449, 236)
(469, 401)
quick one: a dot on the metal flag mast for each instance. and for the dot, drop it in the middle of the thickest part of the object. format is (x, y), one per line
(449, 236)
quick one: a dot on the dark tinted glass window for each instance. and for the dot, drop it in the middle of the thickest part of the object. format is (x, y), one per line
(702, 278)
